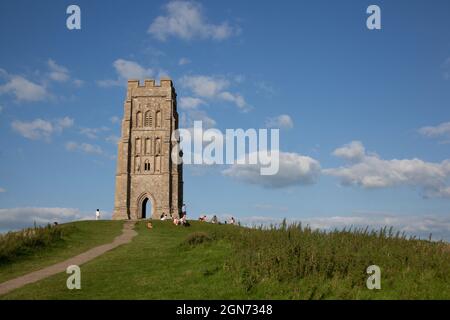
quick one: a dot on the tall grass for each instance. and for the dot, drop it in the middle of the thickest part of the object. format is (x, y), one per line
(302, 261)
(14, 245)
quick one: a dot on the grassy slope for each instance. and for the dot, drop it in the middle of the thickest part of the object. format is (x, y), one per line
(83, 236)
(156, 265)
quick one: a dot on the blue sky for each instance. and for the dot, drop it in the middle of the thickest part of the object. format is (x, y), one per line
(371, 108)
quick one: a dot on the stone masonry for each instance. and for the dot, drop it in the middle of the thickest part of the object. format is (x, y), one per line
(145, 171)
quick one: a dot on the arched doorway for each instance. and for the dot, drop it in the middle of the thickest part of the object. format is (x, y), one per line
(147, 208)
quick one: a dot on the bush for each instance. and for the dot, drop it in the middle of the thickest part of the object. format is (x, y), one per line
(25, 242)
(197, 238)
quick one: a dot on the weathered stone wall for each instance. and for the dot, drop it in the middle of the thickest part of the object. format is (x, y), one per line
(144, 166)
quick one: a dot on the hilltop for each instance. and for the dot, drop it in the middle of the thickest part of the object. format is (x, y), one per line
(206, 261)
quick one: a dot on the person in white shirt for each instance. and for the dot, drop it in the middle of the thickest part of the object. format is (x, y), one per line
(97, 214)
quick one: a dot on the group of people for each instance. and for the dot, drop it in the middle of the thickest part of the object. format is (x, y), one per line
(181, 221)
(215, 220)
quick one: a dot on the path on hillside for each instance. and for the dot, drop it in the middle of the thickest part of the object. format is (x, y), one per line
(127, 235)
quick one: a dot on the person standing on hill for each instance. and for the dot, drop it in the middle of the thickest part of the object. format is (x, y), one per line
(97, 214)
(183, 210)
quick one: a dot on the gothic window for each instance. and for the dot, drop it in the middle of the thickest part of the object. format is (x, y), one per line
(158, 118)
(147, 165)
(138, 119)
(148, 119)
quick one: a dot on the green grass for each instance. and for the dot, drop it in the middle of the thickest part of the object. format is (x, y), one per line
(77, 237)
(293, 262)
(208, 261)
(157, 264)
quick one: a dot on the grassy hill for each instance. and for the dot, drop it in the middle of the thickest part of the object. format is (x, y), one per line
(206, 261)
(20, 253)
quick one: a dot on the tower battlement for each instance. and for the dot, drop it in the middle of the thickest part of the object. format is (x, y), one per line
(150, 83)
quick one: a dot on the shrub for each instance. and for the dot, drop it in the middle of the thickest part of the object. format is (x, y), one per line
(197, 238)
(25, 242)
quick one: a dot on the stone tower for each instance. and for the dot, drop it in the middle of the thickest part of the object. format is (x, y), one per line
(145, 171)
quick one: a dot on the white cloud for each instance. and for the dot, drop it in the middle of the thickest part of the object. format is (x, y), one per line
(63, 123)
(352, 151)
(92, 133)
(127, 69)
(188, 103)
(237, 99)
(294, 169)
(57, 72)
(204, 86)
(370, 171)
(2, 190)
(188, 118)
(183, 61)
(23, 89)
(19, 218)
(440, 130)
(185, 20)
(26, 90)
(131, 70)
(213, 88)
(41, 129)
(83, 147)
(282, 121)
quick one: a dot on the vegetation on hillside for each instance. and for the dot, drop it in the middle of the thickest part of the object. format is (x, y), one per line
(209, 261)
(34, 248)
(292, 261)
(14, 245)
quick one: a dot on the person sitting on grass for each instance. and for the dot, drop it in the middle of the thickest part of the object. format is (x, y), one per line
(149, 225)
(164, 217)
(214, 219)
(184, 221)
(176, 221)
